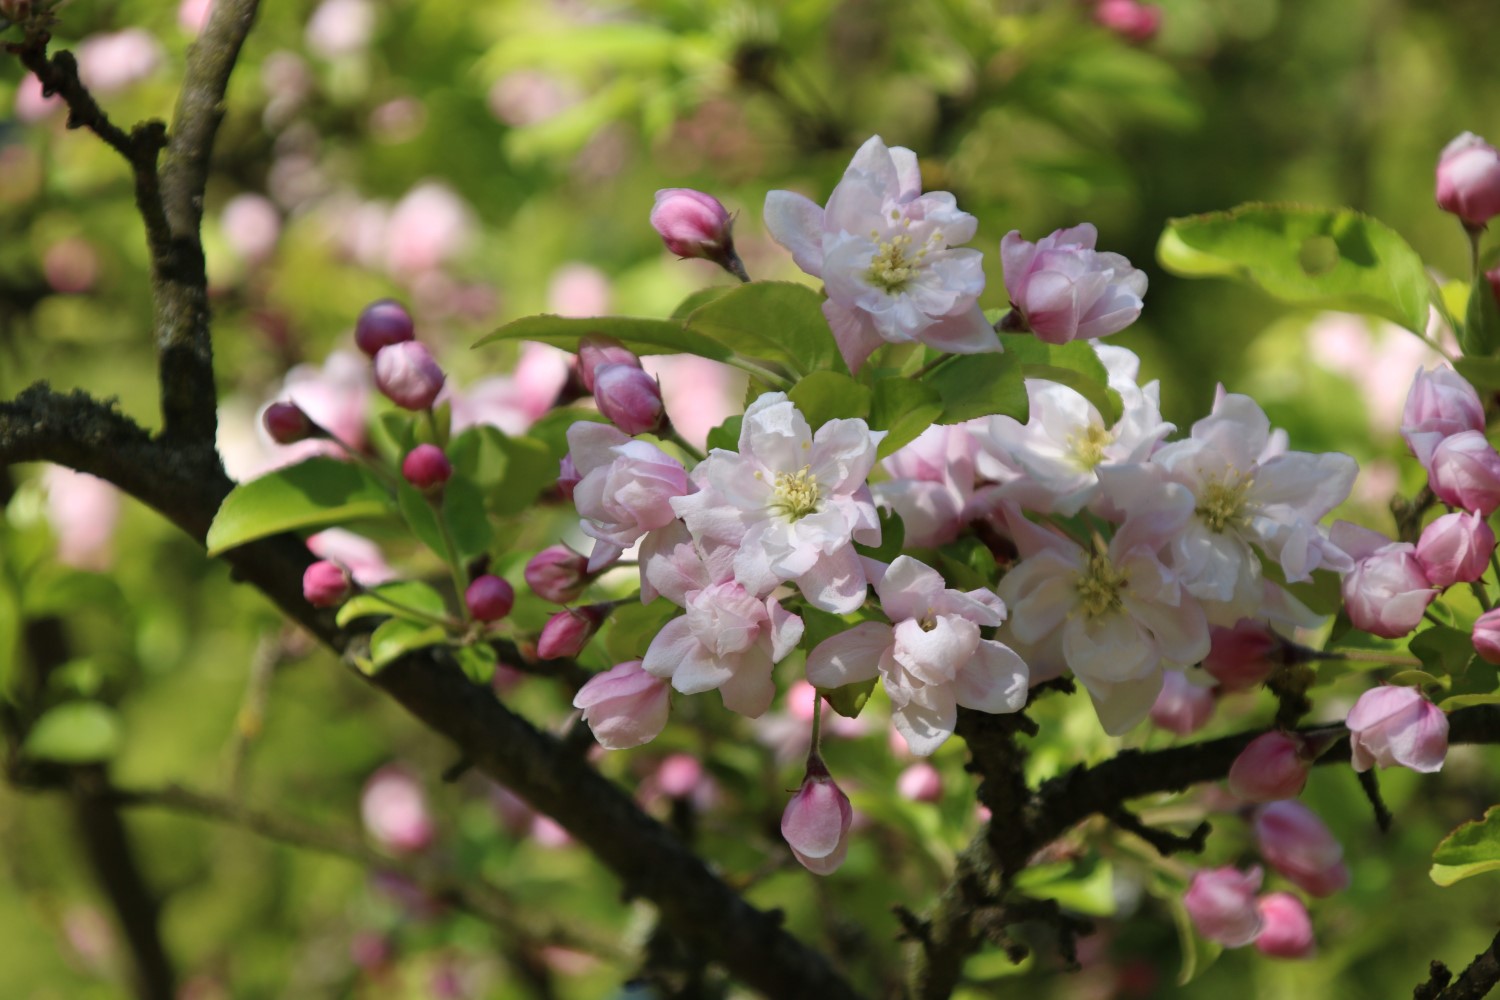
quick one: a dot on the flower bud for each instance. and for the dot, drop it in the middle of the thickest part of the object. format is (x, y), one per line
(1465, 472)
(1487, 636)
(287, 424)
(594, 352)
(394, 810)
(1468, 180)
(624, 706)
(1062, 289)
(1294, 841)
(1130, 19)
(489, 598)
(426, 467)
(921, 783)
(382, 324)
(1242, 657)
(816, 821)
(1455, 548)
(326, 584)
(557, 574)
(567, 476)
(1274, 766)
(1387, 591)
(1397, 726)
(1286, 930)
(630, 398)
(1439, 404)
(1182, 707)
(1221, 904)
(408, 375)
(691, 223)
(567, 632)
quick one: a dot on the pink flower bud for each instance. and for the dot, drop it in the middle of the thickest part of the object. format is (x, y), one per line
(1221, 904)
(326, 584)
(557, 574)
(567, 476)
(426, 467)
(1182, 707)
(816, 821)
(630, 398)
(1397, 726)
(287, 424)
(1286, 930)
(567, 632)
(489, 598)
(395, 810)
(1468, 180)
(1487, 636)
(1062, 289)
(624, 706)
(1274, 766)
(382, 324)
(1387, 591)
(691, 223)
(408, 375)
(921, 783)
(1439, 404)
(594, 352)
(1294, 841)
(1465, 472)
(1455, 548)
(1130, 19)
(1242, 657)
(679, 776)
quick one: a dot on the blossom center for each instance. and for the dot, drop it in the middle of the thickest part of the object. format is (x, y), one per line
(796, 494)
(1099, 587)
(1088, 445)
(1222, 504)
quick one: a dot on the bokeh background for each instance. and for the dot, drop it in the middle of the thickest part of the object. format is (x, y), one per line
(482, 162)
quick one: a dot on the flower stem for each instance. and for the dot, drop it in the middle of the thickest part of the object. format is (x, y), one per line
(1370, 656)
(410, 612)
(934, 365)
(767, 376)
(672, 435)
(817, 724)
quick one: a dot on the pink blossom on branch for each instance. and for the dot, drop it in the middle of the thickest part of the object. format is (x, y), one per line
(1221, 904)
(816, 821)
(1393, 726)
(624, 706)
(1439, 404)
(1468, 180)
(1296, 843)
(1387, 591)
(626, 489)
(1062, 289)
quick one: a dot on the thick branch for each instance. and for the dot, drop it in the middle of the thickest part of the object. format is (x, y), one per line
(1474, 983)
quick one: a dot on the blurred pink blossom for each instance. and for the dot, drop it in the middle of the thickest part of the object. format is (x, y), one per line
(530, 97)
(31, 105)
(83, 512)
(1377, 357)
(251, 225)
(700, 394)
(340, 27)
(112, 62)
(360, 556)
(71, 265)
(192, 15)
(578, 290)
(394, 809)
(429, 225)
(512, 402)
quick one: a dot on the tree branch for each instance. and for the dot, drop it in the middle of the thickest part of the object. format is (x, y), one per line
(1474, 983)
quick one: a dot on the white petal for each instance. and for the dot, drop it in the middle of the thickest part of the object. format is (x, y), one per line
(797, 224)
(849, 657)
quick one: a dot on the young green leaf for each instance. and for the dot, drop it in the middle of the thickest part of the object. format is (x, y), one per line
(313, 494)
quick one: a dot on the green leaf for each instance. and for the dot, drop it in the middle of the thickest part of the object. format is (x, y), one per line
(1471, 849)
(1467, 701)
(397, 637)
(508, 473)
(701, 297)
(1443, 651)
(1074, 364)
(1481, 330)
(313, 494)
(824, 396)
(477, 661)
(1413, 678)
(850, 699)
(643, 336)
(903, 408)
(634, 625)
(462, 506)
(979, 385)
(10, 636)
(1482, 373)
(967, 564)
(778, 321)
(75, 732)
(408, 593)
(726, 435)
(1321, 594)
(1087, 887)
(1315, 257)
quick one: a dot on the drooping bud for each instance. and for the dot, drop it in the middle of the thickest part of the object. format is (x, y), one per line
(921, 783)
(489, 598)
(1397, 726)
(394, 810)
(1182, 707)
(1295, 842)
(1455, 548)
(1487, 636)
(595, 352)
(326, 584)
(1221, 904)
(1465, 472)
(567, 632)
(1274, 766)
(816, 821)
(426, 467)
(287, 424)
(382, 324)
(408, 375)
(558, 574)
(630, 398)
(1468, 180)
(1286, 930)
(1242, 657)
(624, 706)
(694, 224)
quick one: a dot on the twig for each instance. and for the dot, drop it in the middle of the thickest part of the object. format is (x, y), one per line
(1371, 787)
(1474, 983)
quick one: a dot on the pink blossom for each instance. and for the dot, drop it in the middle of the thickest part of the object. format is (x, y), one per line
(71, 266)
(932, 481)
(789, 733)
(578, 290)
(192, 15)
(816, 821)
(1387, 591)
(1455, 548)
(627, 488)
(360, 556)
(1182, 707)
(512, 402)
(886, 255)
(921, 782)
(624, 706)
(251, 225)
(1393, 726)
(931, 659)
(1465, 472)
(557, 574)
(326, 584)
(1221, 904)
(699, 394)
(408, 376)
(111, 62)
(394, 810)
(336, 397)
(83, 512)
(1296, 843)
(31, 104)
(1130, 19)
(1439, 404)
(1468, 180)
(530, 97)
(340, 27)
(1487, 636)
(1063, 289)
(1286, 930)
(694, 224)
(629, 398)
(428, 226)
(1242, 657)
(1273, 766)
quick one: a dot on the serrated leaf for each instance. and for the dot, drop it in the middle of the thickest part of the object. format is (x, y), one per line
(1468, 701)
(980, 385)
(778, 321)
(1470, 849)
(397, 637)
(903, 408)
(727, 434)
(643, 336)
(1315, 257)
(75, 732)
(407, 593)
(824, 396)
(316, 493)
(698, 299)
